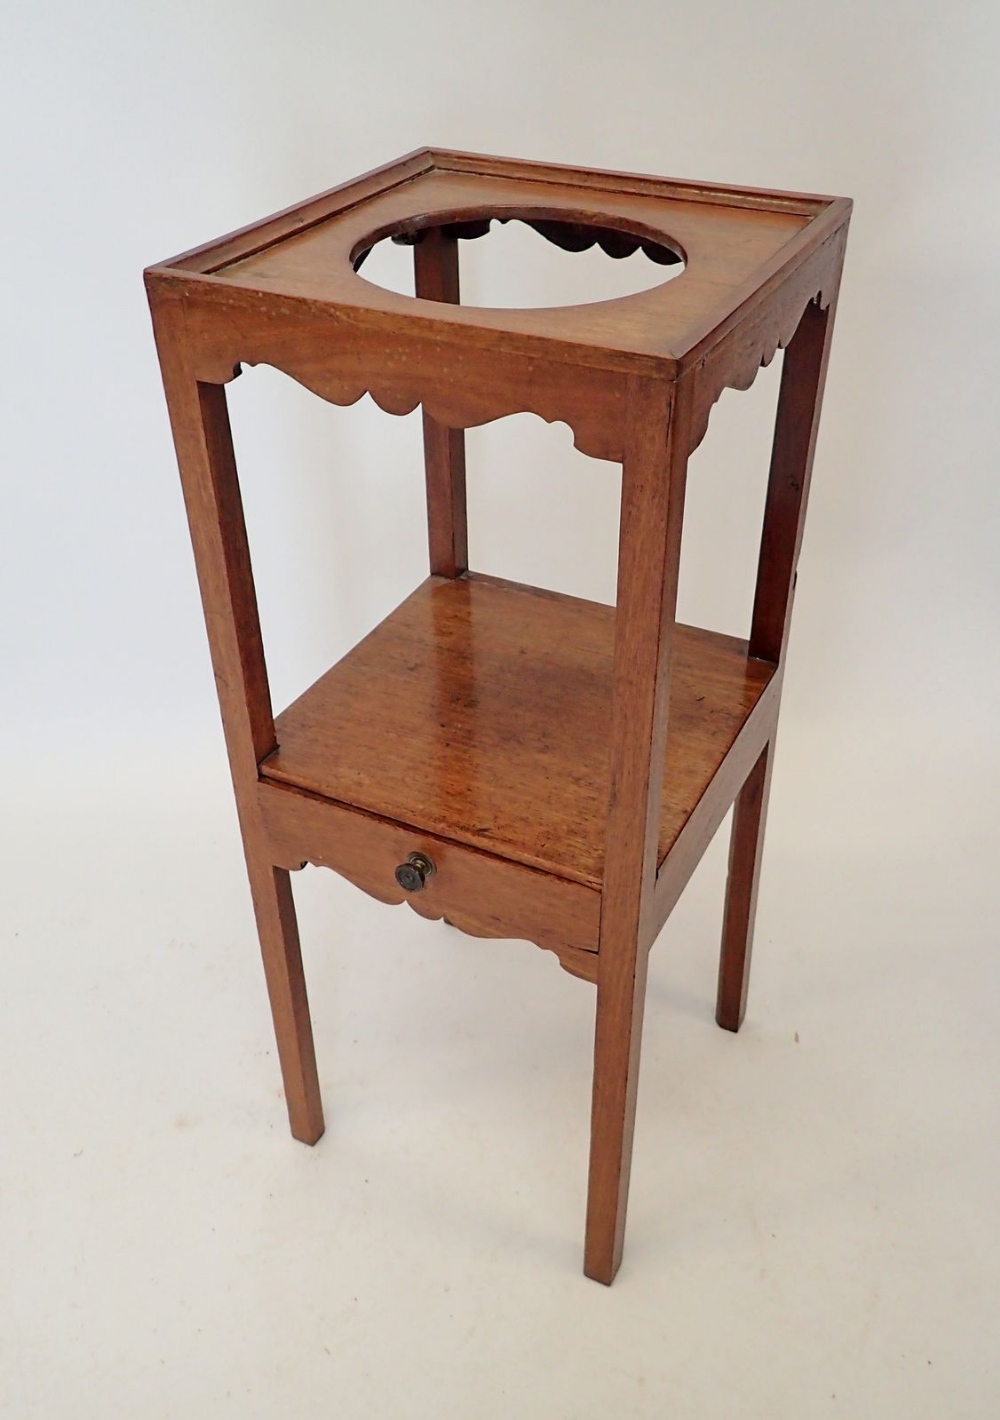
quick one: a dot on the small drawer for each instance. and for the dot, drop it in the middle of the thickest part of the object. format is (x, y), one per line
(478, 892)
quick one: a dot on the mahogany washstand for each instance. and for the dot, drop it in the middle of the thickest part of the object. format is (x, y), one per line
(523, 763)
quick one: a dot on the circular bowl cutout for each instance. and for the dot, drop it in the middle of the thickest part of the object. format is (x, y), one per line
(530, 258)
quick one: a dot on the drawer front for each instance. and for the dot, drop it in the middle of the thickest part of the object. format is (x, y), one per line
(482, 894)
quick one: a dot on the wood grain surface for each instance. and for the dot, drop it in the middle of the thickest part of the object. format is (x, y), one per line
(480, 710)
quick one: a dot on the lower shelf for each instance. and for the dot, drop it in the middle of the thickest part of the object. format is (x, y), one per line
(480, 711)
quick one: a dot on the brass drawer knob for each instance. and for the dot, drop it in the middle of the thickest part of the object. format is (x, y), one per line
(413, 874)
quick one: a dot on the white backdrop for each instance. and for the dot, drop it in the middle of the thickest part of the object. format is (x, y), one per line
(133, 131)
